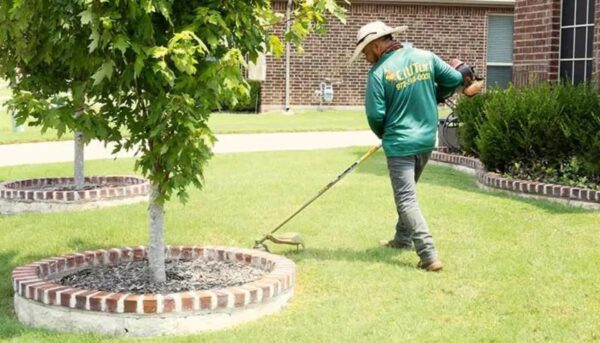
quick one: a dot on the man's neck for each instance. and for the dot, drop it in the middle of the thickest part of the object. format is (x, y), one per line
(392, 46)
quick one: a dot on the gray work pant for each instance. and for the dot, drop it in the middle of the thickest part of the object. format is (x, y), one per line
(411, 227)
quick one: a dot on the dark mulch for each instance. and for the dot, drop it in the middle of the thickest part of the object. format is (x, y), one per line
(71, 187)
(133, 277)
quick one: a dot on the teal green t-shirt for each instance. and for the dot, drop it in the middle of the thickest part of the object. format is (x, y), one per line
(401, 101)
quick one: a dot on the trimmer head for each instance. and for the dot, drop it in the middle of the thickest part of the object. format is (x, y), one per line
(290, 238)
(294, 238)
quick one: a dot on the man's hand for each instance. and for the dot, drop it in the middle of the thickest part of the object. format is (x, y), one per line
(468, 72)
(473, 89)
(472, 82)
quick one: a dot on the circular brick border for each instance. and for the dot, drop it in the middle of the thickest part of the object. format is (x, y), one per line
(575, 196)
(40, 301)
(22, 196)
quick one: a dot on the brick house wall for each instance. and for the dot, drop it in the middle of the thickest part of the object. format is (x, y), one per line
(450, 31)
(536, 41)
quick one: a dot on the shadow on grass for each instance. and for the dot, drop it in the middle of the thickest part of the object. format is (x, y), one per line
(448, 177)
(439, 175)
(10, 328)
(371, 255)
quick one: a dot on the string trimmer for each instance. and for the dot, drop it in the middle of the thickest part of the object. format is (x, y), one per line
(294, 238)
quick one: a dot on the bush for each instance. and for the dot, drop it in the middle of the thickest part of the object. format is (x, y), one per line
(521, 125)
(471, 115)
(581, 124)
(251, 103)
(591, 155)
(541, 127)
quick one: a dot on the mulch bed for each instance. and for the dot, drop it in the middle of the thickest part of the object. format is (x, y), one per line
(71, 187)
(133, 277)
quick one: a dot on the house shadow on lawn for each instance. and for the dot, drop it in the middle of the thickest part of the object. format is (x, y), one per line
(371, 255)
(448, 177)
(445, 176)
(10, 327)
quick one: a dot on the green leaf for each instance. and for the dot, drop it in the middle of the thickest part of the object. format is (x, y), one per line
(86, 16)
(120, 43)
(104, 72)
(276, 45)
(138, 65)
(158, 52)
(95, 40)
(164, 9)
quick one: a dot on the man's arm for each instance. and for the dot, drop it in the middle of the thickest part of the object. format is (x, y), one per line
(472, 83)
(446, 78)
(375, 104)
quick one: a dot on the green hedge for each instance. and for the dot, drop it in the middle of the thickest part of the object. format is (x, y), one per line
(471, 115)
(548, 125)
(247, 104)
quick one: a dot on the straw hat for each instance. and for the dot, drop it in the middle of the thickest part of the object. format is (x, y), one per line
(371, 32)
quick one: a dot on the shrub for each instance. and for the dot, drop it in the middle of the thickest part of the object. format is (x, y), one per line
(591, 156)
(521, 125)
(250, 103)
(580, 124)
(540, 127)
(471, 115)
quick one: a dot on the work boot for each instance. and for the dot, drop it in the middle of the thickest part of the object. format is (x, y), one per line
(433, 265)
(394, 245)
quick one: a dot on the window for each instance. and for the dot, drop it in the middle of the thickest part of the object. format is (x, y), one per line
(576, 39)
(499, 50)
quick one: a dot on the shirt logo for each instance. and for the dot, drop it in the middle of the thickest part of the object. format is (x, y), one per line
(407, 76)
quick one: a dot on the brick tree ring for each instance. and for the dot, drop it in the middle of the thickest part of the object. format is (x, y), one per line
(57, 194)
(40, 300)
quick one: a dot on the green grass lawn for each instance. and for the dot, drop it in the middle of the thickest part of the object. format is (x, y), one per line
(279, 122)
(225, 123)
(228, 123)
(516, 270)
(220, 123)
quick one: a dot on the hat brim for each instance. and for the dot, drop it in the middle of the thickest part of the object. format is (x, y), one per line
(359, 48)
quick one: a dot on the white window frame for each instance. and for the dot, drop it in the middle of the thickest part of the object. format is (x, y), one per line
(498, 64)
(574, 27)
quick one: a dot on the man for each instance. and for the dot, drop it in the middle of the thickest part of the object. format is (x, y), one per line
(403, 89)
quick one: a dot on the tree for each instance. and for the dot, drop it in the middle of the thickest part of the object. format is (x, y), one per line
(159, 68)
(44, 55)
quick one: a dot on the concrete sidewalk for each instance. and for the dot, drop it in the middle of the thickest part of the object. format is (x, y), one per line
(49, 152)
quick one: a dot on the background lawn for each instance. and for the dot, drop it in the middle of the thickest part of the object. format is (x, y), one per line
(516, 270)
(224, 123)
(228, 123)
(328, 120)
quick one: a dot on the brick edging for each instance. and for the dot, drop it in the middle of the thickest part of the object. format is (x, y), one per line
(494, 180)
(24, 190)
(34, 282)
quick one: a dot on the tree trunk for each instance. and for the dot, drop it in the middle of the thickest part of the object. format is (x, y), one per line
(156, 252)
(78, 163)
